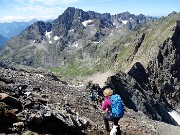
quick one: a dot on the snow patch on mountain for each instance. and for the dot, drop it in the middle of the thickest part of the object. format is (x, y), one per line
(175, 115)
(85, 23)
(97, 42)
(72, 30)
(75, 45)
(50, 42)
(48, 34)
(124, 21)
(56, 38)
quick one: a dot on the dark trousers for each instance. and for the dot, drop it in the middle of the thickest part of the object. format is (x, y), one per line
(108, 118)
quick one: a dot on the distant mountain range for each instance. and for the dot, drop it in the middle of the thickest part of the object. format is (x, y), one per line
(2, 40)
(48, 44)
(9, 30)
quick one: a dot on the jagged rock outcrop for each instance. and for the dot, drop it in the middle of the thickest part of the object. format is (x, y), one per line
(130, 21)
(153, 90)
(138, 98)
(137, 44)
(164, 73)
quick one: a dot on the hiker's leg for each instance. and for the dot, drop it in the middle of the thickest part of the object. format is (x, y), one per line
(116, 122)
(106, 122)
(118, 128)
(97, 101)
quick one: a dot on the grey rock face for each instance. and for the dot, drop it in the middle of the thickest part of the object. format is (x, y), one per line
(153, 90)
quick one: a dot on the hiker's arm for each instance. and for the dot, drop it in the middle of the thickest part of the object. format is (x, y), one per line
(105, 104)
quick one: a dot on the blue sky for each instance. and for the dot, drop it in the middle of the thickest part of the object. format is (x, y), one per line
(25, 10)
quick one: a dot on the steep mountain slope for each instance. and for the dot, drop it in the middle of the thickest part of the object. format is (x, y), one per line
(149, 40)
(152, 84)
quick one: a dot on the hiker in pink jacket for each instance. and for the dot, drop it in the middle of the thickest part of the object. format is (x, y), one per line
(107, 105)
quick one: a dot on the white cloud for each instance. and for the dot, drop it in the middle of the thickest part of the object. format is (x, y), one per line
(48, 2)
(38, 11)
(11, 18)
(25, 10)
(102, 0)
(133, 0)
(20, 1)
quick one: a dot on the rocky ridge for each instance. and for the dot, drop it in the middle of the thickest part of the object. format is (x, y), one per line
(31, 99)
(153, 89)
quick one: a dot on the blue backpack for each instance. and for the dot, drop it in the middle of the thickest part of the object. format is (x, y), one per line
(117, 106)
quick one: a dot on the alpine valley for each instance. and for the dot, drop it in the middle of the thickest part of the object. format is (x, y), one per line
(47, 70)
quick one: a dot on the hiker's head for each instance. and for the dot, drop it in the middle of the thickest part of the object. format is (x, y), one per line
(107, 92)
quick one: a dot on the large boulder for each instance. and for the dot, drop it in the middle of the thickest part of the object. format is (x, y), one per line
(139, 99)
(11, 101)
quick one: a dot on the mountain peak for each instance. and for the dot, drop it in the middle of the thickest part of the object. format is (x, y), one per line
(72, 30)
(70, 9)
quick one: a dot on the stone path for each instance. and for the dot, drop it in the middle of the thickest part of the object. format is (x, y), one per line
(100, 78)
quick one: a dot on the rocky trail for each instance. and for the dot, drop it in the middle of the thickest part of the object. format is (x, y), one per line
(35, 102)
(100, 78)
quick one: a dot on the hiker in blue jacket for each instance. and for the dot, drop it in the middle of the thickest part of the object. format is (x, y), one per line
(94, 96)
(107, 105)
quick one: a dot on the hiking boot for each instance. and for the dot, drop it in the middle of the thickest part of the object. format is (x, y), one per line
(118, 131)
